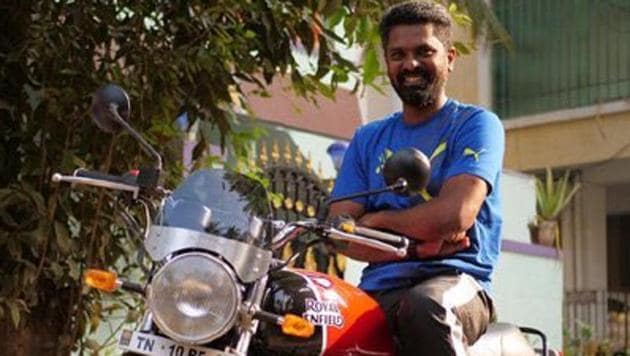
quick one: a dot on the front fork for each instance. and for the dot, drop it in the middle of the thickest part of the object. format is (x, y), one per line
(248, 325)
(147, 322)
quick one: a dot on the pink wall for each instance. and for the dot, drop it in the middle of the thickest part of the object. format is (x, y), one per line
(339, 118)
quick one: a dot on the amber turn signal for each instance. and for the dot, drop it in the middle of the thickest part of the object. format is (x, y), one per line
(101, 280)
(297, 326)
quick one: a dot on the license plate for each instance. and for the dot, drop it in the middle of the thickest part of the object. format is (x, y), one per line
(148, 344)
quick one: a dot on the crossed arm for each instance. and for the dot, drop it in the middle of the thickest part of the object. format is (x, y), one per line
(438, 225)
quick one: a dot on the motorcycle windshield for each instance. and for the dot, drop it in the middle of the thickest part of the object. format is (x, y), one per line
(218, 202)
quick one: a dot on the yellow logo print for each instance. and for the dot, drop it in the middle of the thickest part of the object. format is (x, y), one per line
(474, 154)
(441, 148)
(382, 158)
(438, 150)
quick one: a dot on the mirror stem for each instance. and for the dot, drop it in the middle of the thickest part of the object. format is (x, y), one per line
(113, 109)
(399, 186)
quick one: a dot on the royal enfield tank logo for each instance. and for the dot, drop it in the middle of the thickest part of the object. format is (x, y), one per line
(322, 282)
(323, 313)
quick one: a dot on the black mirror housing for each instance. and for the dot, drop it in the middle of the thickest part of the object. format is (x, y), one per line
(411, 165)
(105, 96)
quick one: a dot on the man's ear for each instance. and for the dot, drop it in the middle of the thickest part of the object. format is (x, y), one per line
(450, 55)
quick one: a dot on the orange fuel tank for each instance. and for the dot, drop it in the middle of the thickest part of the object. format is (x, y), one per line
(347, 320)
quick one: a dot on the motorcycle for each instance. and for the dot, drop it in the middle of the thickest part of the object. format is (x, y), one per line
(215, 287)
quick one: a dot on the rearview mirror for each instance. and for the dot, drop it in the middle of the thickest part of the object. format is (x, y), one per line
(411, 165)
(406, 172)
(103, 99)
(110, 111)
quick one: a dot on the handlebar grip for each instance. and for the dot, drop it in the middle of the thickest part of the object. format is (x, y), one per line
(85, 173)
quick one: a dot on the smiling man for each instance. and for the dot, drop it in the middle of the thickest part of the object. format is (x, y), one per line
(437, 302)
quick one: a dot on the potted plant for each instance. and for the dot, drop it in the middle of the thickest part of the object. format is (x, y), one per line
(552, 196)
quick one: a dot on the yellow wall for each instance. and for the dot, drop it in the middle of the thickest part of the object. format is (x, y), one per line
(568, 143)
(464, 83)
(464, 80)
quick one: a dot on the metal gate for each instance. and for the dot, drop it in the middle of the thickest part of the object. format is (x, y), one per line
(597, 321)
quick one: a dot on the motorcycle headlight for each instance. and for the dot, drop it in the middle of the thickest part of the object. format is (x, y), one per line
(194, 298)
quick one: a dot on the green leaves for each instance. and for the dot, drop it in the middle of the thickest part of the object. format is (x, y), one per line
(15, 314)
(461, 48)
(371, 67)
(458, 16)
(15, 307)
(64, 243)
(553, 195)
(479, 15)
(34, 96)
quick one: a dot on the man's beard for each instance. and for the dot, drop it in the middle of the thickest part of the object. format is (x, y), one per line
(421, 95)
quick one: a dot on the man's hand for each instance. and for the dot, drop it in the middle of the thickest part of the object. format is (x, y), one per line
(442, 248)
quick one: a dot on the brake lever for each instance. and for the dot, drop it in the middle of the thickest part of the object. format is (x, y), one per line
(290, 232)
(349, 226)
(345, 230)
(401, 251)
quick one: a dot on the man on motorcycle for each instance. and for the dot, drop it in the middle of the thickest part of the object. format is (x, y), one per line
(437, 302)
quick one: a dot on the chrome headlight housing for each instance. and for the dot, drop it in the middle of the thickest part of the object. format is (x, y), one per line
(194, 298)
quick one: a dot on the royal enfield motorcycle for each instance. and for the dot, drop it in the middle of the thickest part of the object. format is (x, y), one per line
(215, 287)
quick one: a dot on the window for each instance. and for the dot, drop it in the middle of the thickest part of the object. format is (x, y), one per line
(568, 54)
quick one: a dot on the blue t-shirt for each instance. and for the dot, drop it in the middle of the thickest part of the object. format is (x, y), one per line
(458, 139)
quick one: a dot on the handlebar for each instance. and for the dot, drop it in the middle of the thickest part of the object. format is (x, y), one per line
(376, 243)
(98, 179)
(85, 173)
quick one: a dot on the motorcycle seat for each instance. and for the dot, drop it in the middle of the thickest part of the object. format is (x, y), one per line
(502, 339)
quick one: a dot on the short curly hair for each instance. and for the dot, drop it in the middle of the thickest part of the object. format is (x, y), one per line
(417, 13)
